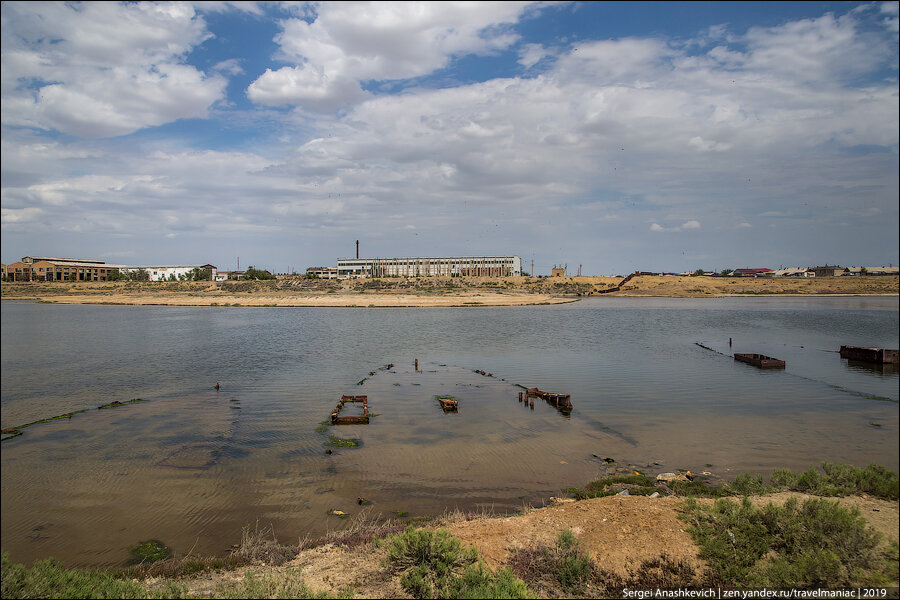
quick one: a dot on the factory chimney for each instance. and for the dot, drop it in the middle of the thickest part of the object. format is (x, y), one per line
(357, 248)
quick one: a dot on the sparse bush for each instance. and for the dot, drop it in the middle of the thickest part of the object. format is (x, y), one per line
(668, 574)
(259, 546)
(562, 568)
(283, 585)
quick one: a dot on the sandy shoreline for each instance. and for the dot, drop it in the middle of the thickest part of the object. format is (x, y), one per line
(431, 292)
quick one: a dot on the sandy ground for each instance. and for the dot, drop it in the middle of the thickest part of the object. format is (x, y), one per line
(616, 531)
(380, 300)
(694, 287)
(434, 291)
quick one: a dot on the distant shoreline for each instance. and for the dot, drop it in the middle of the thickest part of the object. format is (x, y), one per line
(436, 292)
(389, 302)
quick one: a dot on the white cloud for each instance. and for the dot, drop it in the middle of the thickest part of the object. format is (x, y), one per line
(307, 85)
(102, 69)
(827, 48)
(686, 226)
(610, 136)
(701, 145)
(353, 42)
(891, 21)
(232, 66)
(532, 54)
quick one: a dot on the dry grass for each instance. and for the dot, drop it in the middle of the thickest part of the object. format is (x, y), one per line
(361, 529)
(260, 546)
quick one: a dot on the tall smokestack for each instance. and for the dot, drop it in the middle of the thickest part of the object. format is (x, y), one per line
(357, 248)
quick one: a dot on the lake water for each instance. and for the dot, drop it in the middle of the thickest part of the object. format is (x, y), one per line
(191, 465)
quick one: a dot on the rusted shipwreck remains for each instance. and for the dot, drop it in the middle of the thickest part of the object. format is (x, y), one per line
(759, 360)
(560, 401)
(336, 419)
(448, 403)
(883, 356)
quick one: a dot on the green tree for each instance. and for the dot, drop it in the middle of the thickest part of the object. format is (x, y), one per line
(254, 273)
(699, 272)
(138, 275)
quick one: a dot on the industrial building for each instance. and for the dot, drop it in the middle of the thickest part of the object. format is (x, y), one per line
(41, 268)
(463, 266)
(322, 272)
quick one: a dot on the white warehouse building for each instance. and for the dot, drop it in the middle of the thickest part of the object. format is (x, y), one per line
(468, 266)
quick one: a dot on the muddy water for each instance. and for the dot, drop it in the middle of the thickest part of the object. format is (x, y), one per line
(191, 465)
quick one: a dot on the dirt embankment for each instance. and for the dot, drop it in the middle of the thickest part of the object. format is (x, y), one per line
(705, 286)
(433, 291)
(617, 532)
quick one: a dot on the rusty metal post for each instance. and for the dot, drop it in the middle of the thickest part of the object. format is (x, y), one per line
(729, 342)
(520, 396)
(417, 364)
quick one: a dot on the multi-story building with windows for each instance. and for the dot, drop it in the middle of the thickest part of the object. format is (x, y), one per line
(40, 268)
(464, 266)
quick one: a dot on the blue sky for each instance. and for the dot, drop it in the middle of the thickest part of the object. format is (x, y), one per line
(614, 136)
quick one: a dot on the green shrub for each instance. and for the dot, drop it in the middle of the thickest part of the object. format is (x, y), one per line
(816, 543)
(573, 568)
(783, 478)
(438, 551)
(478, 582)
(438, 566)
(637, 485)
(47, 579)
(840, 480)
(748, 484)
(697, 489)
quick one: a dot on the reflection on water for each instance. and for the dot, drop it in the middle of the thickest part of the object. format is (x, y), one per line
(192, 465)
(870, 367)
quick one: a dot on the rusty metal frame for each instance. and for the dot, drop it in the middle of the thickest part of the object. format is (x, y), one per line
(354, 420)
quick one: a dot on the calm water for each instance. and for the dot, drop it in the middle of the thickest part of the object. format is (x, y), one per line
(191, 465)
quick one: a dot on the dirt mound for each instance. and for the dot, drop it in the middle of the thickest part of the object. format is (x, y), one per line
(615, 531)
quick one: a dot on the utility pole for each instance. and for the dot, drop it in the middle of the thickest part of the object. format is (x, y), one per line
(532, 267)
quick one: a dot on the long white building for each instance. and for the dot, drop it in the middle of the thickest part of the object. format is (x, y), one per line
(468, 266)
(170, 272)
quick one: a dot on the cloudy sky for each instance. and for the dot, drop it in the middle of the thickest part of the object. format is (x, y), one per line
(615, 136)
